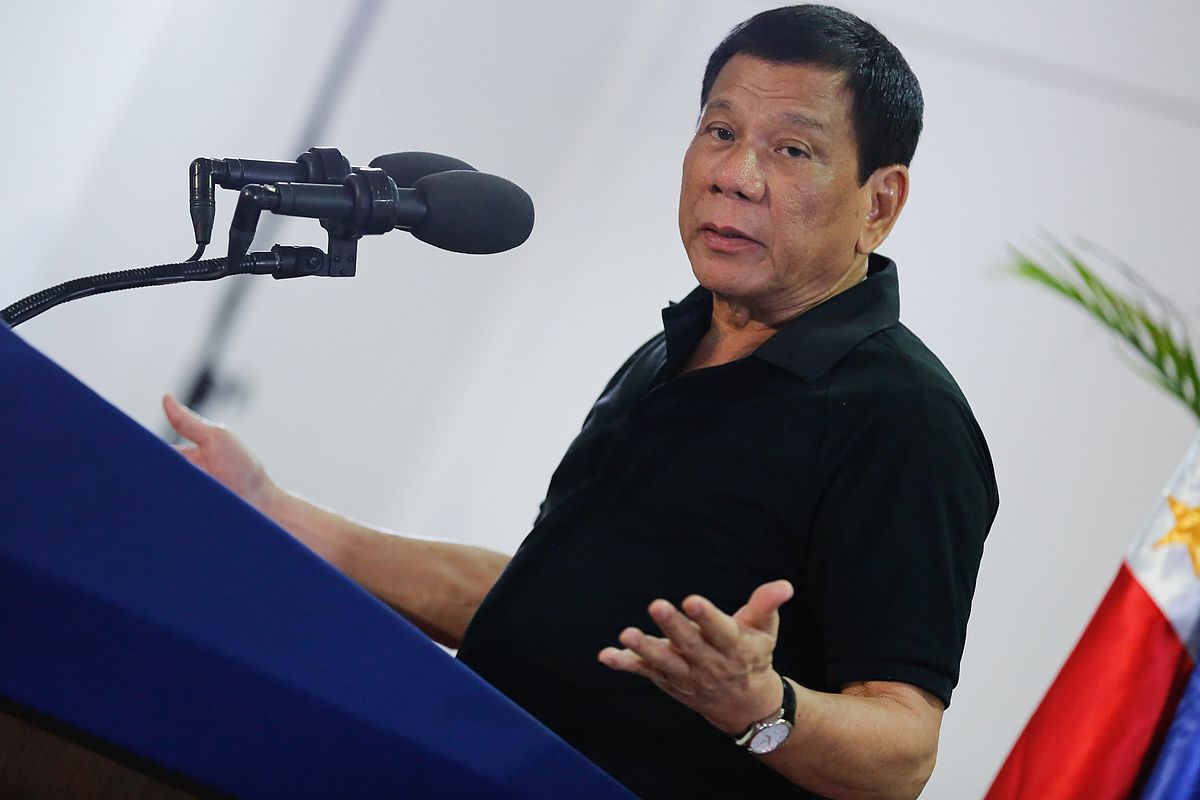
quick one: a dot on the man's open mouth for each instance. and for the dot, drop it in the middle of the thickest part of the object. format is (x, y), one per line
(729, 233)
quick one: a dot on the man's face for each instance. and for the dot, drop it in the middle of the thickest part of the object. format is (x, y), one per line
(771, 211)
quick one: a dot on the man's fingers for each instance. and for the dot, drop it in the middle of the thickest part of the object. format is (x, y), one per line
(190, 452)
(623, 660)
(682, 632)
(762, 609)
(629, 661)
(176, 414)
(187, 423)
(656, 653)
(718, 628)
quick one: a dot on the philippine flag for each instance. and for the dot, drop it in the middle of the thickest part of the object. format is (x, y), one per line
(1100, 725)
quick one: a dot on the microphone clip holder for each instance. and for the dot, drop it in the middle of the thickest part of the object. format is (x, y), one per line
(339, 262)
(301, 262)
(366, 202)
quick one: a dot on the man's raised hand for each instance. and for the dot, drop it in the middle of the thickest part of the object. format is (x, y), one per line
(215, 450)
(716, 664)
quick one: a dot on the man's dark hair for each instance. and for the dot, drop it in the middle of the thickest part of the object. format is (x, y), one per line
(885, 98)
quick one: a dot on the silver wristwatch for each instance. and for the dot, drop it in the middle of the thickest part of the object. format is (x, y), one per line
(770, 733)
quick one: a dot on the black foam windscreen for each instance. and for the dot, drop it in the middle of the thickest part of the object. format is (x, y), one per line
(409, 167)
(473, 212)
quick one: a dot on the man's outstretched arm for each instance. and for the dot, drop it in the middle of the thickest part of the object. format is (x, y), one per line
(436, 585)
(877, 739)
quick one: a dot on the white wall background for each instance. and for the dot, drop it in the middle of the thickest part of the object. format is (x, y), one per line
(435, 392)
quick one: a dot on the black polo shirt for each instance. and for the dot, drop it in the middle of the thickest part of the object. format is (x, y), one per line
(841, 455)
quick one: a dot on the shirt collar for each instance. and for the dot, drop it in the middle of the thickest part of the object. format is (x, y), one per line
(809, 345)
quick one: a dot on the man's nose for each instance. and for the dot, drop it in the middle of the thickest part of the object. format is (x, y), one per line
(739, 174)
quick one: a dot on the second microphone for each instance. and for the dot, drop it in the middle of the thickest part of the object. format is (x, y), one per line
(460, 210)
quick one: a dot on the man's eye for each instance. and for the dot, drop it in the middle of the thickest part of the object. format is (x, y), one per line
(724, 134)
(792, 151)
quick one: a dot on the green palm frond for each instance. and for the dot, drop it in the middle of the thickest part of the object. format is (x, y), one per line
(1142, 318)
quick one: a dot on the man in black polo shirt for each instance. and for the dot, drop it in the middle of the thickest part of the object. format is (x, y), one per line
(785, 492)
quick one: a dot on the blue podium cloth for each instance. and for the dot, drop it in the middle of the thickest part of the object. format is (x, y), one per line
(1176, 775)
(142, 603)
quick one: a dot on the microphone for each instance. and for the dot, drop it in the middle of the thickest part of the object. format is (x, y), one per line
(327, 165)
(473, 212)
(448, 205)
(463, 211)
(409, 167)
(316, 165)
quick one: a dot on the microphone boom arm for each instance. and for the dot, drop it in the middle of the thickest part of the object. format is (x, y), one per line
(280, 262)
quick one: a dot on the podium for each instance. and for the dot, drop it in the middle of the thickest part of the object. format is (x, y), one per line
(157, 632)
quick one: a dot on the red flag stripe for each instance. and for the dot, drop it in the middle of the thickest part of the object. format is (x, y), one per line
(1107, 711)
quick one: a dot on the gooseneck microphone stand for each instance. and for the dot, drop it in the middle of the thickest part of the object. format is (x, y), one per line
(319, 163)
(457, 209)
(279, 262)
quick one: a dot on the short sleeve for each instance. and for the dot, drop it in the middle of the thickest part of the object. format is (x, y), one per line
(908, 499)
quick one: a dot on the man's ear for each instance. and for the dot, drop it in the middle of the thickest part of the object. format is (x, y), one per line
(888, 190)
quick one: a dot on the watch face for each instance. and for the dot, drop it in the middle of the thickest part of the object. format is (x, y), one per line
(770, 737)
